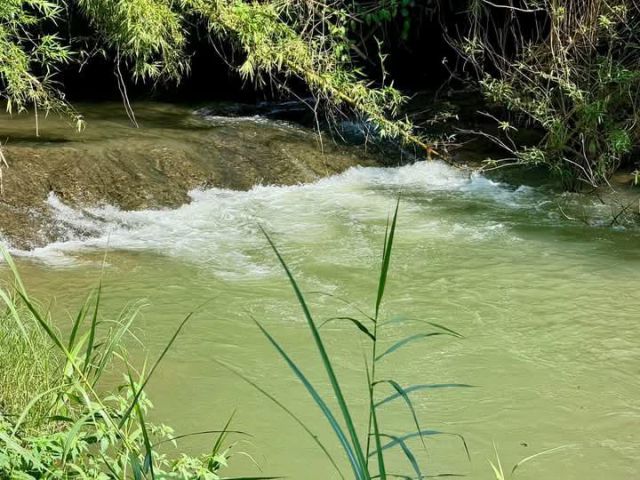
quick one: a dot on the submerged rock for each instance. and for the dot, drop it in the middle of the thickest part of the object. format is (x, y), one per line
(154, 166)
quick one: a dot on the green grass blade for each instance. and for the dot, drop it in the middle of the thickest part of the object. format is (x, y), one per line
(357, 447)
(217, 446)
(16, 317)
(30, 405)
(407, 340)
(407, 453)
(427, 433)
(426, 386)
(147, 465)
(82, 315)
(127, 413)
(400, 391)
(92, 332)
(344, 442)
(14, 270)
(356, 322)
(44, 324)
(536, 455)
(386, 259)
(197, 434)
(284, 408)
(113, 340)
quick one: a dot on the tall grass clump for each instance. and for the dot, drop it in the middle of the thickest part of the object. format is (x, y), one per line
(568, 68)
(365, 447)
(60, 416)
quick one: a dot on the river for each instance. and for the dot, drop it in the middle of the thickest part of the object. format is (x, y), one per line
(547, 304)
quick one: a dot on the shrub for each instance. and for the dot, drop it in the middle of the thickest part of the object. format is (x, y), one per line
(58, 420)
(567, 68)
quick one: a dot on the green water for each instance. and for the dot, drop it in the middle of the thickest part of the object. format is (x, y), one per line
(548, 307)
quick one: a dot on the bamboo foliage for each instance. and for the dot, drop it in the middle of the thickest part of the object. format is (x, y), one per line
(149, 39)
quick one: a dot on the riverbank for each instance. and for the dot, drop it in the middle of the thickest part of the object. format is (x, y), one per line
(175, 150)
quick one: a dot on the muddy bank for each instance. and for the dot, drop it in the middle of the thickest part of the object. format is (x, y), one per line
(154, 166)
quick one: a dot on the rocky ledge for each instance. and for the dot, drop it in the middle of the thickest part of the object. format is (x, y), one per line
(154, 166)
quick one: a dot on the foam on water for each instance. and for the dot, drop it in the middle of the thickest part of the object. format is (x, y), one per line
(220, 227)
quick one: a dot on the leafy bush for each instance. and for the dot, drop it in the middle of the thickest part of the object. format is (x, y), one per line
(149, 38)
(57, 420)
(568, 68)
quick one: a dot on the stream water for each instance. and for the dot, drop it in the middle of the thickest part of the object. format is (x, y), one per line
(548, 307)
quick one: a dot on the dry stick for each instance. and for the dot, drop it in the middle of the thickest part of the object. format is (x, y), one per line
(123, 93)
(35, 108)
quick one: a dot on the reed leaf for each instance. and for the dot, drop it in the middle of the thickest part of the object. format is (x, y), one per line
(438, 326)
(127, 413)
(147, 465)
(357, 467)
(386, 259)
(407, 340)
(92, 332)
(357, 447)
(376, 430)
(400, 391)
(355, 321)
(285, 409)
(427, 386)
(407, 453)
(427, 433)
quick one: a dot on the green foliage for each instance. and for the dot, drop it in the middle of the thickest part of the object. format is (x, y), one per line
(148, 34)
(56, 419)
(366, 457)
(379, 13)
(278, 39)
(569, 69)
(29, 58)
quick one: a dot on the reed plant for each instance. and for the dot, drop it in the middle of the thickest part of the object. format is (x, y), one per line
(365, 447)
